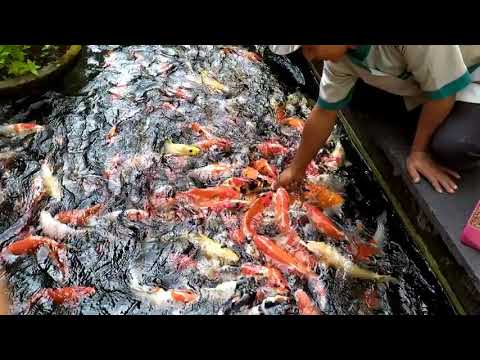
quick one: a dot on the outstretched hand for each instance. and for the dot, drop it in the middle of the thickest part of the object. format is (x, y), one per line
(290, 179)
(441, 178)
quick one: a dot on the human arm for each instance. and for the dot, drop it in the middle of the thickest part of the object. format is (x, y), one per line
(316, 132)
(441, 73)
(419, 161)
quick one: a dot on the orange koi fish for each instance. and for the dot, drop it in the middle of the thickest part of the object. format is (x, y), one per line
(200, 130)
(280, 204)
(274, 277)
(20, 129)
(111, 135)
(270, 249)
(30, 244)
(211, 193)
(322, 223)
(79, 217)
(223, 144)
(59, 296)
(296, 123)
(306, 306)
(322, 196)
(256, 208)
(272, 148)
(241, 184)
(265, 168)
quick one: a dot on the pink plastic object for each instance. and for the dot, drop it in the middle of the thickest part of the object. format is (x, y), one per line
(471, 232)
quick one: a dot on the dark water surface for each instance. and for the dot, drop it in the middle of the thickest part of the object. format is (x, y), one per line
(152, 94)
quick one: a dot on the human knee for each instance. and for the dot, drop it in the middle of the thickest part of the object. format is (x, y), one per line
(453, 152)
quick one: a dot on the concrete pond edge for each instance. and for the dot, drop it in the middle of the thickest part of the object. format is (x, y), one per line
(405, 219)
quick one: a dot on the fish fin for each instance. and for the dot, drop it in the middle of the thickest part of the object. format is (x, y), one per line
(380, 232)
(334, 210)
(388, 279)
(165, 143)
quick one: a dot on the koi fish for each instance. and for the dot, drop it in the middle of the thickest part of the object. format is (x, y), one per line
(213, 249)
(281, 204)
(305, 305)
(274, 277)
(252, 56)
(337, 158)
(322, 196)
(54, 228)
(265, 168)
(30, 244)
(296, 123)
(322, 223)
(60, 296)
(229, 204)
(212, 84)
(211, 172)
(312, 169)
(280, 114)
(183, 262)
(223, 144)
(332, 181)
(362, 251)
(241, 184)
(371, 298)
(50, 182)
(251, 173)
(20, 129)
(211, 193)
(157, 296)
(331, 257)
(221, 292)
(256, 208)
(78, 217)
(201, 130)
(182, 94)
(270, 249)
(168, 106)
(271, 148)
(180, 149)
(380, 233)
(111, 135)
(136, 214)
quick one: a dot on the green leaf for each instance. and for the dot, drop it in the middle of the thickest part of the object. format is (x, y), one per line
(32, 67)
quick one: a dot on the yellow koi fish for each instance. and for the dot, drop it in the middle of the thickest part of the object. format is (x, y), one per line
(212, 249)
(180, 149)
(50, 182)
(331, 257)
(212, 84)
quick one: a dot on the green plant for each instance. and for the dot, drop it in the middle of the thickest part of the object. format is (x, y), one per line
(13, 60)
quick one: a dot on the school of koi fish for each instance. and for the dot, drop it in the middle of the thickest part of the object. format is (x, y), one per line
(151, 190)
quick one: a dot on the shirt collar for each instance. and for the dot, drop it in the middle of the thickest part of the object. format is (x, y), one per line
(359, 53)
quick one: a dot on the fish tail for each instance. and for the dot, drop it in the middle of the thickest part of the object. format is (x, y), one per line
(334, 210)
(388, 279)
(380, 233)
(166, 143)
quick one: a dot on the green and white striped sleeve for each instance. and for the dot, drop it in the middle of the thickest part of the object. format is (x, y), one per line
(439, 69)
(336, 86)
